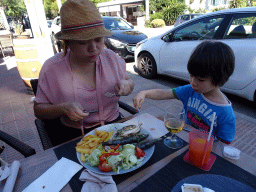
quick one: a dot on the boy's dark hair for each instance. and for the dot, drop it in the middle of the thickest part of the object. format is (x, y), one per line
(212, 59)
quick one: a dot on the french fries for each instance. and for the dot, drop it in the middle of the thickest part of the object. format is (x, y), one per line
(91, 142)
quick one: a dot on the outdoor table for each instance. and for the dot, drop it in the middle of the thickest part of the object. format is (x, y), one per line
(162, 172)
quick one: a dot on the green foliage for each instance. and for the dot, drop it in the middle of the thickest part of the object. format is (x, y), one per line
(13, 8)
(157, 23)
(172, 12)
(244, 21)
(51, 8)
(147, 24)
(238, 3)
(142, 8)
(99, 1)
(157, 5)
(200, 10)
(218, 9)
(157, 15)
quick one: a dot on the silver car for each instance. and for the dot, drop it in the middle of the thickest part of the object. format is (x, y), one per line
(169, 52)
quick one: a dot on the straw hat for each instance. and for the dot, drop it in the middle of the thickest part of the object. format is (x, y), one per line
(81, 20)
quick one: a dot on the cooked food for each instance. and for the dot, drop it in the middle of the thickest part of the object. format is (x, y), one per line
(91, 142)
(128, 130)
(148, 143)
(133, 139)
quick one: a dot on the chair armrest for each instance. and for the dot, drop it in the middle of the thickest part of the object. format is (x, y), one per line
(18, 145)
(43, 134)
(127, 107)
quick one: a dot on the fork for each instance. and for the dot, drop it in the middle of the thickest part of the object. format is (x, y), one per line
(109, 95)
(90, 111)
(138, 117)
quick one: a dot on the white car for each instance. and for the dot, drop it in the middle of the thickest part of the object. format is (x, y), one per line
(169, 53)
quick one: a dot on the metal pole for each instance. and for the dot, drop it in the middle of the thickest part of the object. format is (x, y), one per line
(147, 9)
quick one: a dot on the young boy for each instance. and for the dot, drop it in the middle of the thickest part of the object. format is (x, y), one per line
(210, 66)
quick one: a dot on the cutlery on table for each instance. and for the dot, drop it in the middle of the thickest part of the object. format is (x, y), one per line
(109, 95)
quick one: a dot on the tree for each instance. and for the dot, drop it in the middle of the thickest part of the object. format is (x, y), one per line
(99, 1)
(13, 8)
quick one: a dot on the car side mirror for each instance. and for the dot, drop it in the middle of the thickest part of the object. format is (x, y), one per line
(167, 38)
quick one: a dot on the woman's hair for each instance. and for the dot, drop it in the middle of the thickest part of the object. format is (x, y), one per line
(212, 59)
(65, 47)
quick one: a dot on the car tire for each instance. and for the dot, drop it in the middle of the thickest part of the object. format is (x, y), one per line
(147, 66)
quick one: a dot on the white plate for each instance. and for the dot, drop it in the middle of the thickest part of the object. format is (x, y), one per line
(113, 127)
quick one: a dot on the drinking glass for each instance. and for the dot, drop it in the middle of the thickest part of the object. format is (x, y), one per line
(174, 120)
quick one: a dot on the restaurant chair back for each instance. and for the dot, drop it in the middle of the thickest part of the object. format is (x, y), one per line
(18, 145)
(6, 41)
(41, 126)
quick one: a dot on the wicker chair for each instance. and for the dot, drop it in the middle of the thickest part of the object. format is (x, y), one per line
(6, 41)
(18, 145)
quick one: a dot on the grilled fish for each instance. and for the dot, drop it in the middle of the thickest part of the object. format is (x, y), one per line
(126, 140)
(128, 130)
(148, 143)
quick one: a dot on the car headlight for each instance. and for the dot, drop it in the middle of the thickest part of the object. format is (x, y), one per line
(140, 43)
(116, 43)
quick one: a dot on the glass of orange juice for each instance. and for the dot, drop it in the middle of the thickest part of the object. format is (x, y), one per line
(197, 147)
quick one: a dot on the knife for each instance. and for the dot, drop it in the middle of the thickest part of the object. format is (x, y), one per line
(90, 111)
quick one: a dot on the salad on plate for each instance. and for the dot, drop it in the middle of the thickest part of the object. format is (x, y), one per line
(118, 154)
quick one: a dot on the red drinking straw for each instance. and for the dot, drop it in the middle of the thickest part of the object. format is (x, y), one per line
(209, 136)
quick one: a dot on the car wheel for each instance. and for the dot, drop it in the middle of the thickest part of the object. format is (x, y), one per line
(147, 66)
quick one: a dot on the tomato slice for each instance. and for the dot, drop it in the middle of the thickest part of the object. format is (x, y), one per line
(139, 152)
(115, 147)
(104, 167)
(103, 157)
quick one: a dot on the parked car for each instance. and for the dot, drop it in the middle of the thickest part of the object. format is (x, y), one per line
(49, 23)
(124, 39)
(186, 17)
(169, 52)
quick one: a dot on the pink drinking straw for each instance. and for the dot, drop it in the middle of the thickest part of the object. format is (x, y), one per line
(209, 136)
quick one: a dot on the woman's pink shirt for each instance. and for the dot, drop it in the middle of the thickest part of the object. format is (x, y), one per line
(58, 84)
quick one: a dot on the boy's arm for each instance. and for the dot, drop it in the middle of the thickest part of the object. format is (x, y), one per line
(155, 94)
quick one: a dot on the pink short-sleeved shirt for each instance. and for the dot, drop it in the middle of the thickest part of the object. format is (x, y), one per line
(57, 84)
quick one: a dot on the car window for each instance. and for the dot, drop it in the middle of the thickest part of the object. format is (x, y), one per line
(185, 17)
(116, 24)
(242, 26)
(198, 30)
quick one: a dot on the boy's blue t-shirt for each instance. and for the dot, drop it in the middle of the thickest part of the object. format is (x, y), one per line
(200, 112)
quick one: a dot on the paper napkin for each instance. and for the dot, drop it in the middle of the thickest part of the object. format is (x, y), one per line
(153, 125)
(97, 182)
(56, 177)
(14, 169)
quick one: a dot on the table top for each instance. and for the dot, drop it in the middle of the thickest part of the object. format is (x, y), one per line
(215, 182)
(34, 166)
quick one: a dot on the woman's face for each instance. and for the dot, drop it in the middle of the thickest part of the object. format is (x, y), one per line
(88, 49)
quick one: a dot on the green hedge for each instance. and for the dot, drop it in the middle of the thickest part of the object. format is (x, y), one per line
(157, 23)
(156, 15)
(172, 12)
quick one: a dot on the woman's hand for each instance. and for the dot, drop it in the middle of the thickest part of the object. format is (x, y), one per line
(138, 100)
(125, 86)
(74, 111)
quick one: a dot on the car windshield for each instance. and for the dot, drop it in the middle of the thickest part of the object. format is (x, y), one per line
(116, 24)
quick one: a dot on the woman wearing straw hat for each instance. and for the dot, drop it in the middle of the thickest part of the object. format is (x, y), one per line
(73, 84)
